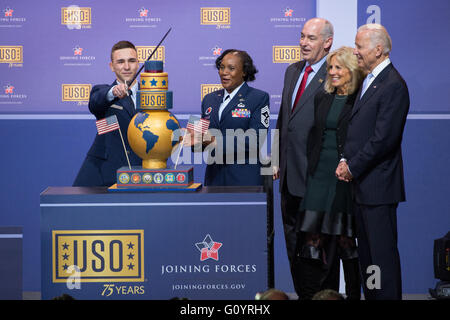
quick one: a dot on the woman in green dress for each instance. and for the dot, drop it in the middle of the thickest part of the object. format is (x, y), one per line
(326, 223)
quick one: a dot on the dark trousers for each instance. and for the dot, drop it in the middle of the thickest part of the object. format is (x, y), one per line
(376, 231)
(308, 276)
(314, 274)
(90, 174)
(290, 205)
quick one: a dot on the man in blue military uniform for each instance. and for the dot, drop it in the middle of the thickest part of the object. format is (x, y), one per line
(106, 154)
(239, 114)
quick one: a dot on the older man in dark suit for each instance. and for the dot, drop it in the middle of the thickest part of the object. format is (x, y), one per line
(373, 162)
(302, 81)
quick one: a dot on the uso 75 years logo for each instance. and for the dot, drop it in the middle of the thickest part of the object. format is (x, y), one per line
(11, 54)
(75, 92)
(286, 54)
(99, 255)
(221, 17)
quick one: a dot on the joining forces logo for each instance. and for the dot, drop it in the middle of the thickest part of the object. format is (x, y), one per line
(208, 248)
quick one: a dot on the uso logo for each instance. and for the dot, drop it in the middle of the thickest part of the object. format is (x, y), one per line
(100, 255)
(75, 15)
(214, 16)
(208, 88)
(11, 54)
(76, 92)
(153, 99)
(286, 54)
(144, 52)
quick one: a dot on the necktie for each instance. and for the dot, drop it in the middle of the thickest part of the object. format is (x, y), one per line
(366, 84)
(222, 106)
(302, 85)
(132, 96)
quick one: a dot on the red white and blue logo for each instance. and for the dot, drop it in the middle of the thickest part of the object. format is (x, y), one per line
(9, 89)
(77, 51)
(8, 12)
(181, 178)
(209, 249)
(217, 51)
(143, 12)
(288, 12)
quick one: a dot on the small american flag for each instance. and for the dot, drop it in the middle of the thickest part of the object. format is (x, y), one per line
(198, 124)
(107, 124)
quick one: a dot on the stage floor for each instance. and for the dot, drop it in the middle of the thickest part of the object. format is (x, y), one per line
(36, 295)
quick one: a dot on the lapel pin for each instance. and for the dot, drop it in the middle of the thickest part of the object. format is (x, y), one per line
(320, 80)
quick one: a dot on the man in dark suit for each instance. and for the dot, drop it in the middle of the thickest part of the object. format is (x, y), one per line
(373, 162)
(106, 154)
(302, 81)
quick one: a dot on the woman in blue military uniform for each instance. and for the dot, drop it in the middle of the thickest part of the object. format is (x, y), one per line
(240, 116)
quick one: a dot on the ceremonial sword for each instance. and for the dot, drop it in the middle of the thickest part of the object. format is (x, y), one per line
(151, 55)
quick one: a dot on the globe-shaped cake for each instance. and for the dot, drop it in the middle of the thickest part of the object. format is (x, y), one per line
(150, 137)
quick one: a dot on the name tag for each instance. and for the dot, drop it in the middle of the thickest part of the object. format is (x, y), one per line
(115, 106)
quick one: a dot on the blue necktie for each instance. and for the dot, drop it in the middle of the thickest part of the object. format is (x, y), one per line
(366, 84)
(222, 107)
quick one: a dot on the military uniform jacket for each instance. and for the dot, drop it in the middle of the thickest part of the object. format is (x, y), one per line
(249, 109)
(106, 154)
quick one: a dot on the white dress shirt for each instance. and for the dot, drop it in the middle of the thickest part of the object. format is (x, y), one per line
(110, 96)
(375, 72)
(315, 68)
(227, 97)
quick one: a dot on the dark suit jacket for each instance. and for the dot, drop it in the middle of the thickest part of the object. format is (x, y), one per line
(106, 154)
(374, 137)
(294, 127)
(255, 104)
(322, 105)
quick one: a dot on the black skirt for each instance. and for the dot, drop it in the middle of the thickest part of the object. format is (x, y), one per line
(336, 219)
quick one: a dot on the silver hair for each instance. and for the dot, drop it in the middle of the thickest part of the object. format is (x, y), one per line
(327, 30)
(378, 35)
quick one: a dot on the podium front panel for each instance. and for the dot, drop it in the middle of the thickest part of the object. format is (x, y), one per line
(210, 244)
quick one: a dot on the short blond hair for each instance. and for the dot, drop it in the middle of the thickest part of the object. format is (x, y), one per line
(345, 57)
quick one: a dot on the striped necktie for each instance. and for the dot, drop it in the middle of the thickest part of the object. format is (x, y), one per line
(302, 87)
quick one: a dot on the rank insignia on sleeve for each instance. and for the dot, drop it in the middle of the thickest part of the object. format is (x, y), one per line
(265, 116)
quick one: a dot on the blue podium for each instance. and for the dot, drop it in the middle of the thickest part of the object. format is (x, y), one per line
(11, 263)
(209, 244)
